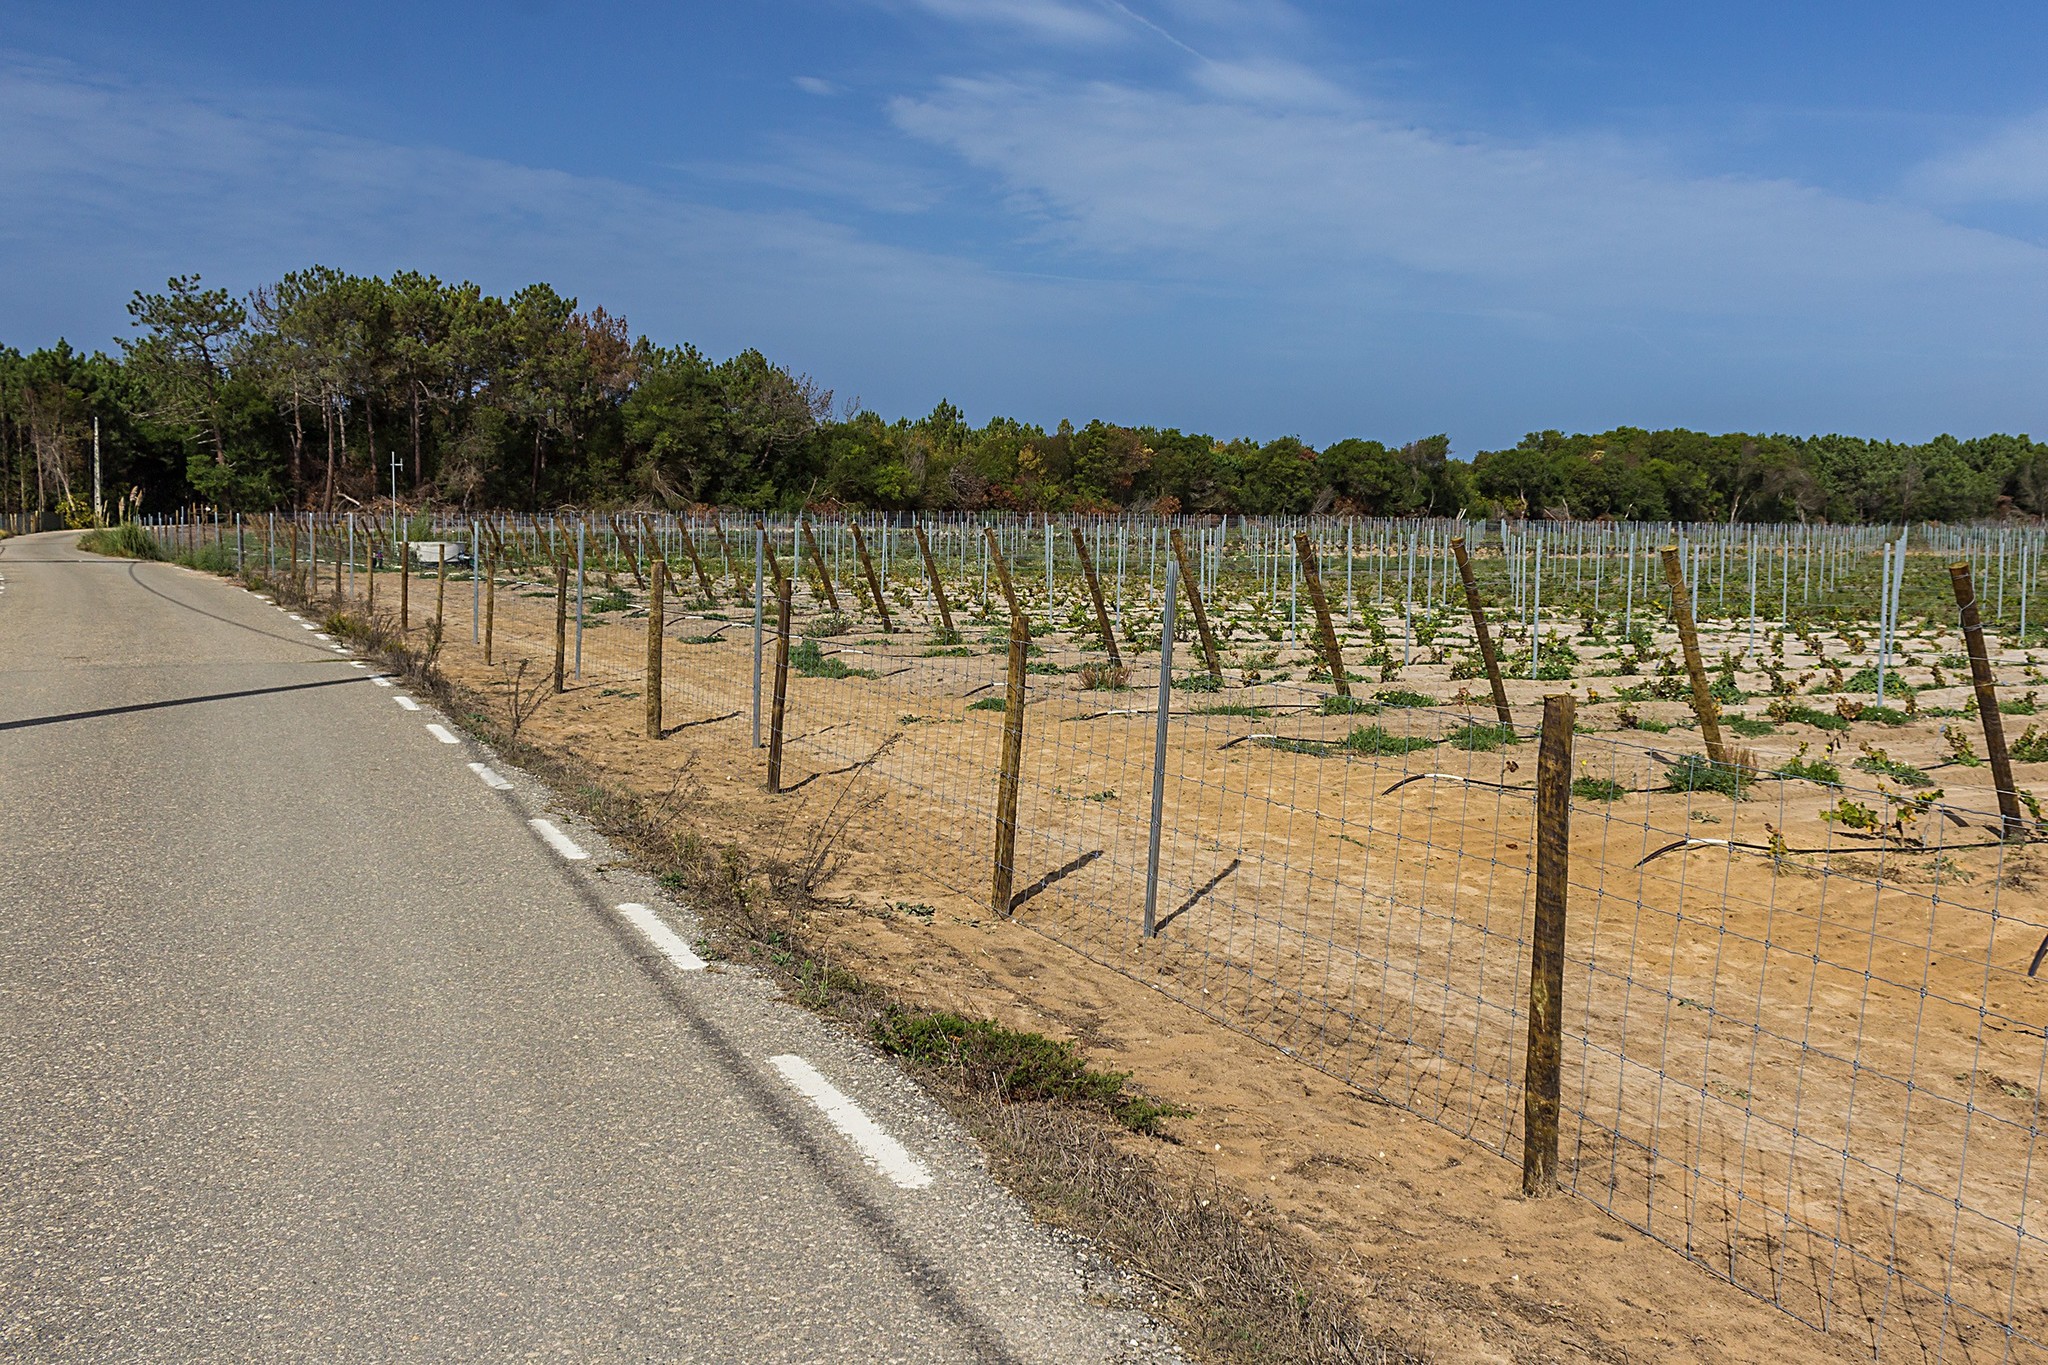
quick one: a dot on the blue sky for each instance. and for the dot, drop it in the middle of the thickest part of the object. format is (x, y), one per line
(1239, 216)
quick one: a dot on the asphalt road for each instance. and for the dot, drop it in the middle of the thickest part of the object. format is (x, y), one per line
(313, 1048)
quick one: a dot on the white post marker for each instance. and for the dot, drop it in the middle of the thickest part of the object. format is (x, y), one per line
(558, 841)
(883, 1152)
(665, 940)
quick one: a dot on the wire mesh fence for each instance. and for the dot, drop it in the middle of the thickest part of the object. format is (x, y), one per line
(1801, 1038)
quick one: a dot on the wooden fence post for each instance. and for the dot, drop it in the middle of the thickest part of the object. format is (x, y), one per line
(690, 549)
(1116, 658)
(931, 572)
(818, 563)
(1703, 703)
(1310, 570)
(867, 567)
(441, 585)
(781, 702)
(657, 581)
(561, 616)
(1002, 567)
(768, 553)
(1486, 649)
(732, 565)
(1540, 1086)
(1193, 589)
(626, 548)
(1010, 771)
(1982, 682)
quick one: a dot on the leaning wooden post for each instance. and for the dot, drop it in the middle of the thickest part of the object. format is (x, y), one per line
(1116, 658)
(404, 553)
(780, 705)
(690, 549)
(931, 572)
(657, 581)
(732, 565)
(1306, 553)
(867, 567)
(1486, 649)
(818, 563)
(441, 584)
(768, 551)
(1002, 568)
(1010, 771)
(1540, 1085)
(1193, 589)
(626, 548)
(1703, 703)
(561, 616)
(1987, 700)
(292, 564)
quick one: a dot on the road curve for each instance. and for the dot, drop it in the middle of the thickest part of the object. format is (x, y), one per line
(316, 1047)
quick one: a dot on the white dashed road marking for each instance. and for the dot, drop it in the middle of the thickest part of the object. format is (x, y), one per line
(884, 1152)
(665, 940)
(558, 841)
(381, 681)
(440, 732)
(407, 702)
(489, 777)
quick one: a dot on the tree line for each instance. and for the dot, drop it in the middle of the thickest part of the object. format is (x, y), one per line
(323, 389)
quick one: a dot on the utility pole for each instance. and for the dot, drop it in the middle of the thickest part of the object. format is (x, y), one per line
(99, 514)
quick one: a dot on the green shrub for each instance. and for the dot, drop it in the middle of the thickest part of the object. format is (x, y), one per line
(988, 704)
(813, 662)
(1348, 706)
(1377, 742)
(1698, 773)
(1197, 682)
(1748, 726)
(126, 541)
(1480, 738)
(1016, 1066)
(1878, 762)
(1598, 789)
(1810, 770)
(1401, 696)
(2031, 747)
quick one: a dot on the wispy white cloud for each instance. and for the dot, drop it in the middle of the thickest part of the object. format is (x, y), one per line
(814, 85)
(2009, 167)
(113, 185)
(1062, 21)
(1244, 178)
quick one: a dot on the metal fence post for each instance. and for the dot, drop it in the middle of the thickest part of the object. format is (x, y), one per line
(1166, 623)
(1540, 1093)
(782, 595)
(759, 568)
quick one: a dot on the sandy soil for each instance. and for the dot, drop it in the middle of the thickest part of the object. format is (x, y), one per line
(1814, 1072)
